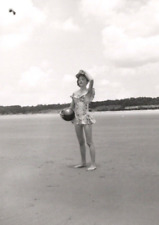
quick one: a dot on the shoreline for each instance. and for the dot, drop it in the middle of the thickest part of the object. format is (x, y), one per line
(56, 113)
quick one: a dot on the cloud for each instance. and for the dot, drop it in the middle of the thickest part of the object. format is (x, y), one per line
(25, 11)
(67, 25)
(34, 78)
(38, 85)
(104, 82)
(99, 9)
(13, 40)
(67, 78)
(112, 82)
(18, 28)
(115, 10)
(131, 30)
(44, 85)
(124, 50)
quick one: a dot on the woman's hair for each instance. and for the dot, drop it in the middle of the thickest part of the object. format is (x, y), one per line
(81, 75)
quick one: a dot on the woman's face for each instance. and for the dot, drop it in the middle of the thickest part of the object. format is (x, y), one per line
(82, 81)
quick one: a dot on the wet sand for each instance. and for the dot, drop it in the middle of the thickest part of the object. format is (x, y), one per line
(40, 186)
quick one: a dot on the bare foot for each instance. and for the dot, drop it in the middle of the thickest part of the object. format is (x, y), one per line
(80, 166)
(91, 168)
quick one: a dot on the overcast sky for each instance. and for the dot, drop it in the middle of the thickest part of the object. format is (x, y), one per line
(47, 42)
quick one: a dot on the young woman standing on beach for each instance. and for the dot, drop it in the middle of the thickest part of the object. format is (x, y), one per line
(83, 120)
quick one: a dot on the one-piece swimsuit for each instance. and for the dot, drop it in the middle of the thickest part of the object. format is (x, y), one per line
(81, 109)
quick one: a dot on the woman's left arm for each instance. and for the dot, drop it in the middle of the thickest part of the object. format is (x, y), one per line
(91, 83)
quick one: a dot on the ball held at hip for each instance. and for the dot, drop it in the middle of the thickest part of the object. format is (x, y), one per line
(67, 114)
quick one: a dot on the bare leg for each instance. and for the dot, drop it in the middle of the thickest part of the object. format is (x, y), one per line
(81, 140)
(88, 133)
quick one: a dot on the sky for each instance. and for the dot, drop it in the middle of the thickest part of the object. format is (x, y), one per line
(46, 43)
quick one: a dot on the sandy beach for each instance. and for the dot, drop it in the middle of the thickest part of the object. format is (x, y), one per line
(39, 185)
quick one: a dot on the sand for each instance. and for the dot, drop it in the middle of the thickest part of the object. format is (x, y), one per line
(42, 187)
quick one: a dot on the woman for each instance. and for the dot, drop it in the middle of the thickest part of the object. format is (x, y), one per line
(83, 120)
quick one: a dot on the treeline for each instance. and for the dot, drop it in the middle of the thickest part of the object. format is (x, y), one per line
(126, 104)
(108, 105)
(17, 109)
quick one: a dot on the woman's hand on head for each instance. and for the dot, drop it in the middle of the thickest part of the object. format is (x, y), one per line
(82, 72)
(89, 77)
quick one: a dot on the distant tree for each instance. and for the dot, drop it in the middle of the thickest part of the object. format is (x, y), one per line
(118, 104)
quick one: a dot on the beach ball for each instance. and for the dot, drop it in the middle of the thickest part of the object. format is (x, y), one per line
(67, 114)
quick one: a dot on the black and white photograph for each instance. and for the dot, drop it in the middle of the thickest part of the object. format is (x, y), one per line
(79, 112)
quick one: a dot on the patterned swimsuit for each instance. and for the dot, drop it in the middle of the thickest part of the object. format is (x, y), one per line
(81, 109)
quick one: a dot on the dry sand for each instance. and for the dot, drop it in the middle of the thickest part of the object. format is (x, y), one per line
(42, 188)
